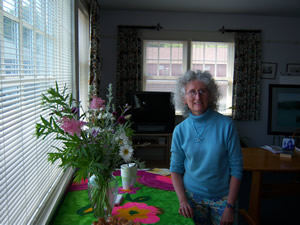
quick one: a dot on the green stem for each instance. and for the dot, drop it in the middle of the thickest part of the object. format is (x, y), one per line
(100, 198)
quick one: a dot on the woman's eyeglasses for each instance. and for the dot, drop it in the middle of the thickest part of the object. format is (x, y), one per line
(194, 93)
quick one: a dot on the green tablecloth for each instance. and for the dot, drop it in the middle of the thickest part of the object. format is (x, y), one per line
(76, 210)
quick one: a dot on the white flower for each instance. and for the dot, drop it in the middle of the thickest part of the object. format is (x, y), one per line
(103, 115)
(127, 117)
(124, 138)
(94, 131)
(126, 152)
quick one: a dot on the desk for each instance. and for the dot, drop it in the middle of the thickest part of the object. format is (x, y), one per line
(151, 191)
(258, 161)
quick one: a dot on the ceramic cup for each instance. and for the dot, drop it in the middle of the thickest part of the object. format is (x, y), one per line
(126, 176)
(133, 173)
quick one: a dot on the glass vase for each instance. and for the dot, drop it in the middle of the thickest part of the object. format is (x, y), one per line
(102, 194)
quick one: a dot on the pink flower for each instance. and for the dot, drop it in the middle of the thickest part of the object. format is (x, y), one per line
(72, 126)
(137, 212)
(97, 103)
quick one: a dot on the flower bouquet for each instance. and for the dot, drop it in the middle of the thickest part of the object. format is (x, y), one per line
(94, 143)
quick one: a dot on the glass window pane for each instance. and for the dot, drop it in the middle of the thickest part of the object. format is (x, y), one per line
(152, 50)
(27, 9)
(177, 51)
(210, 51)
(177, 68)
(197, 51)
(28, 62)
(11, 7)
(221, 70)
(151, 67)
(165, 50)
(197, 66)
(164, 69)
(51, 13)
(40, 54)
(210, 68)
(222, 51)
(163, 58)
(40, 14)
(10, 46)
(50, 58)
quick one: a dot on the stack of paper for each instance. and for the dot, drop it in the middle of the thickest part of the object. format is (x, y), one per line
(273, 148)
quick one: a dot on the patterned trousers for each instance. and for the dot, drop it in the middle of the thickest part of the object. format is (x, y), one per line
(209, 211)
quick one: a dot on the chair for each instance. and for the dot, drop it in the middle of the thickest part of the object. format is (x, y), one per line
(297, 139)
(246, 219)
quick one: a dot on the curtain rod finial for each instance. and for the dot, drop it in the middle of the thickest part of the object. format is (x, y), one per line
(222, 30)
(158, 27)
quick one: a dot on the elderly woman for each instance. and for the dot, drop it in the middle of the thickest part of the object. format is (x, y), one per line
(206, 162)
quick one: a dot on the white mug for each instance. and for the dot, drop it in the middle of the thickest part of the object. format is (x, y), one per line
(128, 174)
(133, 173)
(126, 177)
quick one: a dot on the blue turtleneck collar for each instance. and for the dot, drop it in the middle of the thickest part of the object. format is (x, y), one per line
(201, 117)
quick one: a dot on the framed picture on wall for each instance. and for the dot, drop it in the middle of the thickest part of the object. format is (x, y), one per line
(284, 111)
(269, 70)
(293, 68)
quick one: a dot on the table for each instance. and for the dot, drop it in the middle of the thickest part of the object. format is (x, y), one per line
(259, 161)
(151, 190)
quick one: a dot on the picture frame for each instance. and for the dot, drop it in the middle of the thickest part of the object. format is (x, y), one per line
(283, 110)
(288, 144)
(269, 70)
(293, 68)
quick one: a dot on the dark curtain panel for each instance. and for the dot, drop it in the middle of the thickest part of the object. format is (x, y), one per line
(129, 62)
(247, 72)
(95, 49)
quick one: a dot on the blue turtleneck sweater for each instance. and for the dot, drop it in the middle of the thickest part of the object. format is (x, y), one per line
(206, 150)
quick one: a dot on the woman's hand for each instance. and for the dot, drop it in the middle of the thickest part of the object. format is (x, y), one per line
(227, 217)
(185, 209)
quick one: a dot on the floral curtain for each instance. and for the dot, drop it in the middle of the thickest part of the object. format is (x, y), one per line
(247, 72)
(129, 62)
(95, 49)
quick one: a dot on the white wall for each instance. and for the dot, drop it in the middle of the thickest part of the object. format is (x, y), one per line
(281, 45)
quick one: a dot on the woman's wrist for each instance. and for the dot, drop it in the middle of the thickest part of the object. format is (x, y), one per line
(229, 205)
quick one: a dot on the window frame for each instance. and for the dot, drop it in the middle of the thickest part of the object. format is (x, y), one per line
(189, 37)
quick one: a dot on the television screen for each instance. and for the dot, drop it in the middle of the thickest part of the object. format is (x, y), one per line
(284, 109)
(152, 112)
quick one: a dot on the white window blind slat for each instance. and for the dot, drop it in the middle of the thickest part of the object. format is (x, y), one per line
(35, 52)
(27, 157)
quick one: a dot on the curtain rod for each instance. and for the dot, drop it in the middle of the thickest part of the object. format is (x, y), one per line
(157, 27)
(223, 30)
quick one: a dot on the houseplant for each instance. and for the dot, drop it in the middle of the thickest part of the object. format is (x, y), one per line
(94, 143)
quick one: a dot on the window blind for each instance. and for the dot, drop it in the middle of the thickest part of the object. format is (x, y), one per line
(36, 50)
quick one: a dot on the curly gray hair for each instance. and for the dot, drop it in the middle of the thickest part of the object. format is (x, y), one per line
(178, 94)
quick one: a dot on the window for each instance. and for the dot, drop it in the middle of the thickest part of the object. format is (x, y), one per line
(83, 42)
(36, 50)
(165, 60)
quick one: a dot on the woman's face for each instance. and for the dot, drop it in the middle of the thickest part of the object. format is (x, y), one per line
(196, 97)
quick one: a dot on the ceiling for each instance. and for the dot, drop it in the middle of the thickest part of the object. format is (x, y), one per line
(286, 8)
